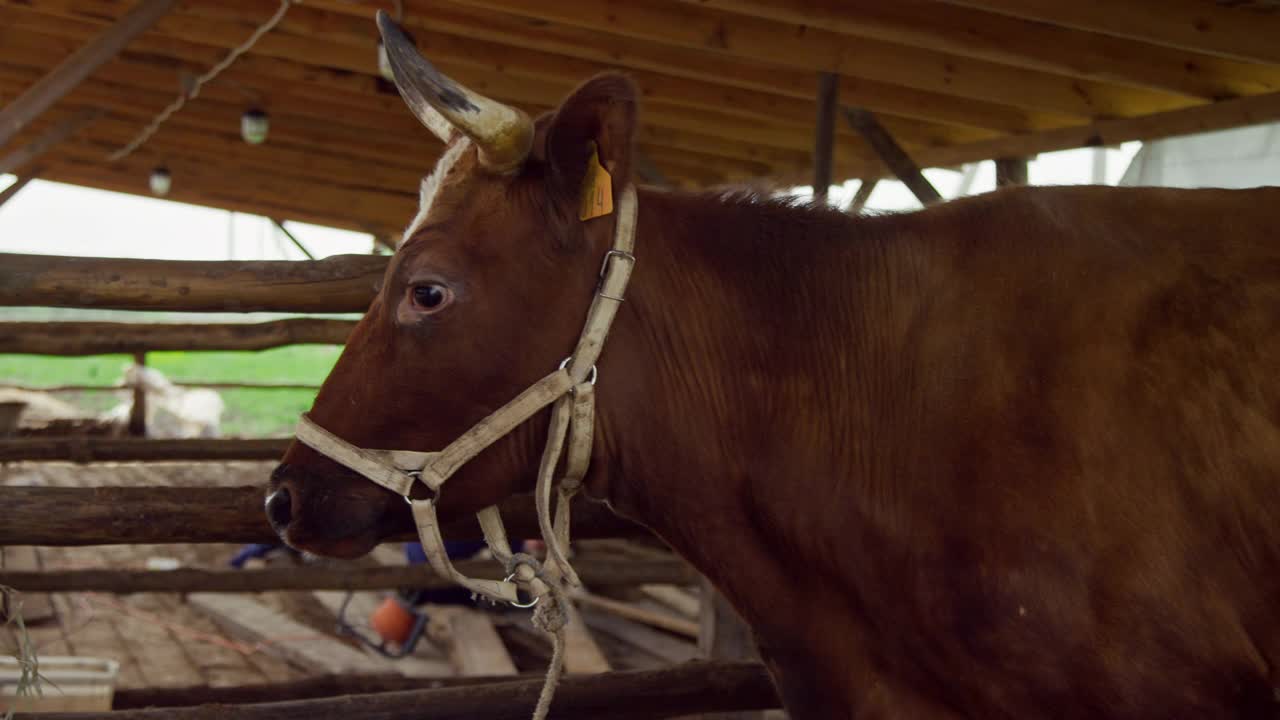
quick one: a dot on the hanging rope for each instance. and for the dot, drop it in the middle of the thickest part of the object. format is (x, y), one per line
(194, 91)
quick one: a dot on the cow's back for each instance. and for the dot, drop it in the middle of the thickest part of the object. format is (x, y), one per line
(1096, 465)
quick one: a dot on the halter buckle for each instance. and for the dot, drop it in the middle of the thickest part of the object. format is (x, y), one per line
(604, 269)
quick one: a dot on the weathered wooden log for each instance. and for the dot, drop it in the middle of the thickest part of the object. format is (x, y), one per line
(338, 284)
(595, 573)
(670, 692)
(148, 515)
(100, 338)
(90, 448)
(312, 687)
(129, 388)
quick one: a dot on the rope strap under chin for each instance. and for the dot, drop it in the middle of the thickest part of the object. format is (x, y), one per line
(570, 391)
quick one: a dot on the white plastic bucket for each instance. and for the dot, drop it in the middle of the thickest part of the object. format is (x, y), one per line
(68, 684)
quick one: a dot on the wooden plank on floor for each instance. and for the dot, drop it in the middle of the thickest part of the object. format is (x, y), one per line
(470, 639)
(633, 611)
(255, 622)
(678, 599)
(426, 660)
(91, 632)
(664, 646)
(219, 662)
(582, 656)
(162, 659)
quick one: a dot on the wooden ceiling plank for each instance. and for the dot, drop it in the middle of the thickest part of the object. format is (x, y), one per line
(1253, 110)
(1184, 24)
(191, 186)
(509, 77)
(677, 25)
(794, 136)
(671, 96)
(79, 65)
(616, 51)
(1020, 43)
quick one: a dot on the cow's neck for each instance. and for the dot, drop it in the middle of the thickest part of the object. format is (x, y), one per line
(741, 373)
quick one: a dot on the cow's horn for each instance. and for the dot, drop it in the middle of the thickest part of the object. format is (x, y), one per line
(502, 133)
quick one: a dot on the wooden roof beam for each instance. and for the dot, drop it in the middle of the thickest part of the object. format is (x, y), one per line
(16, 186)
(71, 72)
(901, 164)
(63, 129)
(1185, 24)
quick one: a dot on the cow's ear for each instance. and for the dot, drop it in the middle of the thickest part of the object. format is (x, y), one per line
(599, 118)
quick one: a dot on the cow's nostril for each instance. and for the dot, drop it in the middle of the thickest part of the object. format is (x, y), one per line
(279, 511)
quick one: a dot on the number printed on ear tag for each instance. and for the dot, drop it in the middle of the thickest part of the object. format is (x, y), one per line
(597, 189)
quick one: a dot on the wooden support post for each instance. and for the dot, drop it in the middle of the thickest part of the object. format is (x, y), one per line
(1011, 171)
(861, 197)
(78, 66)
(138, 412)
(293, 239)
(145, 515)
(1098, 174)
(722, 635)
(824, 136)
(8, 193)
(894, 157)
(56, 133)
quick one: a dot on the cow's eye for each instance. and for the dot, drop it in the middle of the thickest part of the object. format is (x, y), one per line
(431, 297)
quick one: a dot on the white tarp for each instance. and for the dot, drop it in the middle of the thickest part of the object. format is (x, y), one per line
(1240, 158)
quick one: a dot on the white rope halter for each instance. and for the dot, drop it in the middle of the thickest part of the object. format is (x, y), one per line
(570, 391)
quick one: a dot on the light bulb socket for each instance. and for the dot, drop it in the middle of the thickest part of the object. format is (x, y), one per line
(160, 181)
(254, 124)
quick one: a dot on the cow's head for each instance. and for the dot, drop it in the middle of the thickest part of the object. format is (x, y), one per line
(485, 295)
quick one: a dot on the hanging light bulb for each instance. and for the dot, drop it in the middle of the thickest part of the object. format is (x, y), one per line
(160, 181)
(384, 64)
(253, 126)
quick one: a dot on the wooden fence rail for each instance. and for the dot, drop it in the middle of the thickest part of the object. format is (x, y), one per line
(131, 388)
(101, 338)
(595, 573)
(150, 515)
(338, 284)
(688, 689)
(311, 687)
(91, 448)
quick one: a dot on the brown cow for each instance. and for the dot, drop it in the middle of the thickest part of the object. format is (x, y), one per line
(1014, 456)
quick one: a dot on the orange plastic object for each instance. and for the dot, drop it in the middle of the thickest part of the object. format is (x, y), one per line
(392, 622)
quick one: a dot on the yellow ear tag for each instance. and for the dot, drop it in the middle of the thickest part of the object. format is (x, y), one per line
(597, 189)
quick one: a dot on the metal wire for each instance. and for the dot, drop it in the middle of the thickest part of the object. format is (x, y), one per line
(199, 82)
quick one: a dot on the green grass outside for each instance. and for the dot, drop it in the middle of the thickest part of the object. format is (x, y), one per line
(249, 413)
